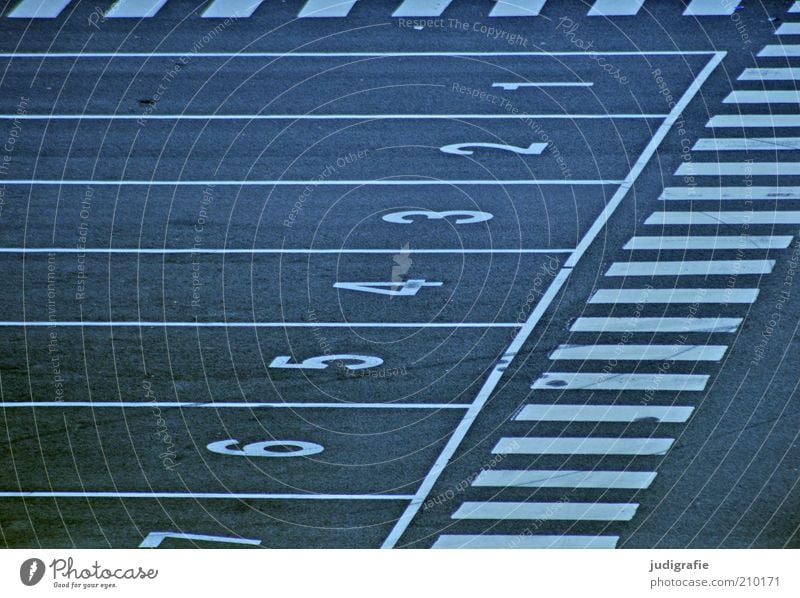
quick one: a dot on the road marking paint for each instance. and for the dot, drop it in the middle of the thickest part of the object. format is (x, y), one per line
(779, 51)
(221, 9)
(312, 183)
(710, 7)
(769, 74)
(735, 168)
(220, 405)
(615, 8)
(729, 193)
(640, 352)
(137, 324)
(656, 325)
(604, 413)
(517, 8)
(763, 96)
(38, 9)
(635, 296)
(134, 9)
(299, 117)
(622, 381)
(256, 251)
(708, 242)
(326, 8)
(548, 511)
(516, 86)
(42, 55)
(788, 29)
(154, 539)
(748, 144)
(738, 121)
(691, 268)
(421, 8)
(205, 495)
(721, 218)
(461, 149)
(484, 541)
(622, 480)
(794, 7)
(582, 446)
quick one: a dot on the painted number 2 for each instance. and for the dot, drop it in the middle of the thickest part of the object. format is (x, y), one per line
(407, 288)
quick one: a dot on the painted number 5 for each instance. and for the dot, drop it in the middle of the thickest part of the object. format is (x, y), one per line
(323, 361)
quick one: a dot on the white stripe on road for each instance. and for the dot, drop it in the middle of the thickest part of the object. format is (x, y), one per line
(421, 8)
(708, 242)
(788, 29)
(738, 168)
(490, 541)
(205, 495)
(795, 7)
(220, 405)
(221, 9)
(636, 296)
(516, 8)
(210, 117)
(313, 182)
(640, 352)
(691, 268)
(618, 480)
(135, 324)
(729, 193)
(615, 8)
(708, 325)
(763, 96)
(256, 251)
(770, 74)
(711, 7)
(747, 144)
(582, 446)
(738, 121)
(38, 9)
(721, 218)
(604, 413)
(548, 511)
(134, 9)
(326, 8)
(511, 86)
(607, 381)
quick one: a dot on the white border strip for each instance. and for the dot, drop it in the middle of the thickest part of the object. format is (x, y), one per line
(219, 405)
(257, 251)
(206, 495)
(40, 55)
(311, 183)
(135, 324)
(293, 117)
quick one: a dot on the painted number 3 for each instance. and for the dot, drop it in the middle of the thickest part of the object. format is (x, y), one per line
(462, 216)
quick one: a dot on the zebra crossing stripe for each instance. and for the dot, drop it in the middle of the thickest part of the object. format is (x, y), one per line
(223, 9)
(771, 121)
(729, 193)
(769, 74)
(618, 480)
(326, 8)
(763, 96)
(582, 446)
(605, 413)
(691, 268)
(517, 8)
(748, 144)
(38, 9)
(788, 29)
(722, 218)
(741, 242)
(639, 352)
(710, 7)
(421, 8)
(738, 168)
(134, 9)
(555, 511)
(624, 381)
(636, 296)
(495, 541)
(707, 325)
(615, 8)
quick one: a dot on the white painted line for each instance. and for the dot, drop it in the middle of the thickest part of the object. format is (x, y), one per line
(421, 8)
(710, 8)
(763, 96)
(742, 242)
(691, 268)
(794, 7)
(489, 541)
(134, 9)
(38, 9)
(137, 324)
(42, 55)
(582, 446)
(517, 8)
(621, 480)
(604, 381)
(615, 8)
(516, 86)
(779, 51)
(604, 413)
(312, 183)
(222, 9)
(548, 511)
(220, 405)
(747, 144)
(738, 168)
(738, 121)
(770, 74)
(788, 29)
(729, 193)
(205, 495)
(640, 352)
(721, 218)
(708, 325)
(255, 251)
(635, 296)
(299, 117)
(600, 223)
(326, 8)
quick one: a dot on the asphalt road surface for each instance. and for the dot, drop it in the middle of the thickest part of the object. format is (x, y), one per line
(402, 274)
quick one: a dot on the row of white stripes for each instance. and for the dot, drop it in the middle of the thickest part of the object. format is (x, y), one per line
(220, 9)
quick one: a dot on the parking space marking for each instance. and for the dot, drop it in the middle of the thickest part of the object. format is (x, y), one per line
(741, 242)
(747, 144)
(604, 381)
(421, 8)
(220, 405)
(547, 511)
(256, 251)
(772, 121)
(197, 324)
(615, 8)
(605, 413)
(135, 8)
(204, 495)
(739, 168)
(38, 9)
(770, 74)
(517, 8)
(645, 296)
(691, 268)
(220, 9)
(639, 352)
(710, 7)
(763, 96)
(359, 117)
(582, 446)
(565, 478)
(729, 193)
(326, 8)
(720, 218)
(495, 541)
(311, 182)
(586, 324)
(285, 55)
